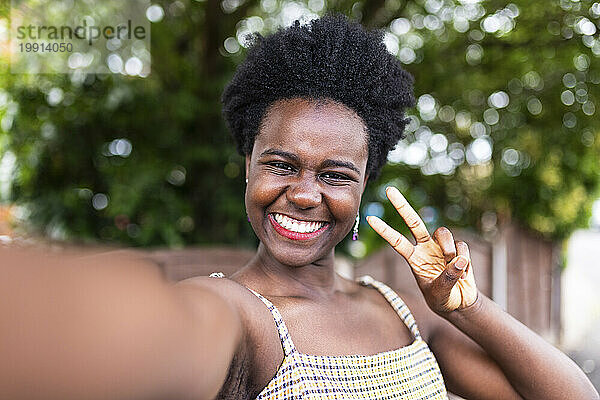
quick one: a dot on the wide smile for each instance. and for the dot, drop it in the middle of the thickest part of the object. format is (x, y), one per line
(295, 229)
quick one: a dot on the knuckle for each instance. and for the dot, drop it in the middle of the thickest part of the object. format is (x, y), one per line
(444, 237)
(448, 234)
(438, 232)
(442, 230)
(462, 245)
(413, 223)
(449, 277)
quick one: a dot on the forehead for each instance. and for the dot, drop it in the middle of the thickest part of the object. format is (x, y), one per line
(311, 126)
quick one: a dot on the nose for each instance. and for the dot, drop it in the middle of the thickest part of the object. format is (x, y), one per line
(304, 193)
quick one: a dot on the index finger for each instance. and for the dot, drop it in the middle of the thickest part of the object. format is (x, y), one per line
(408, 214)
(401, 244)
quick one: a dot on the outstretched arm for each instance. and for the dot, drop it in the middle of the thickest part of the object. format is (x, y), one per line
(508, 360)
(102, 327)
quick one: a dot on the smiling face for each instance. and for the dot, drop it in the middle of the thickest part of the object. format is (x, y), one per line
(306, 175)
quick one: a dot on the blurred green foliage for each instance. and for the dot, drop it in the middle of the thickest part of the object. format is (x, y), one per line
(505, 128)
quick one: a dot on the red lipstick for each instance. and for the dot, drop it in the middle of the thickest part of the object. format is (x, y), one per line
(295, 235)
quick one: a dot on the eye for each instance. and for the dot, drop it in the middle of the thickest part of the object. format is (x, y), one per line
(334, 177)
(280, 166)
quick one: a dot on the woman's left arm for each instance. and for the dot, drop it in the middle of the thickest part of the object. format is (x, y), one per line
(513, 354)
(503, 359)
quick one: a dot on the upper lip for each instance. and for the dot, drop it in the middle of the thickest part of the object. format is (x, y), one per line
(299, 218)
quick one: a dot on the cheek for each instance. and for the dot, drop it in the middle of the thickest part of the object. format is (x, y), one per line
(261, 194)
(343, 205)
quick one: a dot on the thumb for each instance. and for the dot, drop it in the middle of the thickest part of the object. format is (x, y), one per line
(454, 270)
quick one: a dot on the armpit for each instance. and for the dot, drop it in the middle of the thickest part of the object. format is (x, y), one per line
(237, 385)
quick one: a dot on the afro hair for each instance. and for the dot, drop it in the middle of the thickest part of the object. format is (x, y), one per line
(328, 58)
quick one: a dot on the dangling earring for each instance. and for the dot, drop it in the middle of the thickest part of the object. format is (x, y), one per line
(355, 229)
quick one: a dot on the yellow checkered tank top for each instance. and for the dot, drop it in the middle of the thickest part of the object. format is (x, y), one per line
(410, 372)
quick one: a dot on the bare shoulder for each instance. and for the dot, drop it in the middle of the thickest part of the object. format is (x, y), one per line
(427, 320)
(250, 308)
(431, 325)
(260, 351)
(231, 291)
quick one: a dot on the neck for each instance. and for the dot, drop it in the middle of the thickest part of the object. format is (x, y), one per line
(315, 280)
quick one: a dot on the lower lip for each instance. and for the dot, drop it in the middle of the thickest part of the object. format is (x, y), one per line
(295, 235)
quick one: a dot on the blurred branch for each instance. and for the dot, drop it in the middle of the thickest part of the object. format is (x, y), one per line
(376, 15)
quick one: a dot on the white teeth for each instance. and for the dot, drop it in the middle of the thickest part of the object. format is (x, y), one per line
(297, 226)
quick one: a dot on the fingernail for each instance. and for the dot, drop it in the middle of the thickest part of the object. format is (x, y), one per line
(461, 263)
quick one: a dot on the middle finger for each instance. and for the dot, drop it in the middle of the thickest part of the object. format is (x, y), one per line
(408, 214)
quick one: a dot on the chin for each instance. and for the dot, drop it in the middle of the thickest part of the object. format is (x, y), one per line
(296, 258)
(299, 259)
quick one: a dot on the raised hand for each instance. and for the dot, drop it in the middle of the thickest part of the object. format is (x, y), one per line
(441, 266)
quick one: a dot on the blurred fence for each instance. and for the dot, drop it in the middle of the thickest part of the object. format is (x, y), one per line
(519, 270)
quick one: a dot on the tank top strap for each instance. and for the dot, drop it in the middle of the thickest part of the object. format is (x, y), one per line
(282, 330)
(284, 334)
(396, 302)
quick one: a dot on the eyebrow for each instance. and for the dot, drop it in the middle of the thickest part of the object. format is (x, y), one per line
(281, 153)
(327, 163)
(338, 163)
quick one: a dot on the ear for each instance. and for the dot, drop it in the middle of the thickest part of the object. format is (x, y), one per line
(365, 182)
(247, 165)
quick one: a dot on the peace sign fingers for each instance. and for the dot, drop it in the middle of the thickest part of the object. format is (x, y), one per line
(401, 244)
(408, 214)
(434, 261)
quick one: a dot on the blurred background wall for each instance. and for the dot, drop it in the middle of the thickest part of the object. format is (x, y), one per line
(503, 144)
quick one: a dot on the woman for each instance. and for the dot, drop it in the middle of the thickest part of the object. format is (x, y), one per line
(314, 109)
